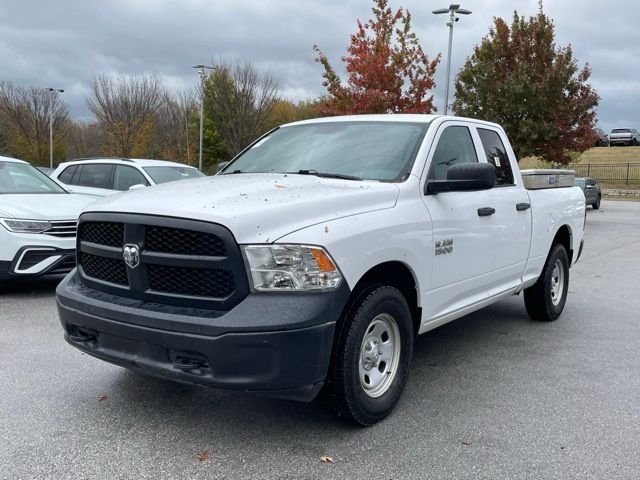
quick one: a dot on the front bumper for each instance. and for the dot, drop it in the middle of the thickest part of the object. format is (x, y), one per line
(275, 344)
(33, 261)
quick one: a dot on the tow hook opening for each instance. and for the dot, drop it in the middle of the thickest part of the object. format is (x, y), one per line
(190, 364)
(82, 335)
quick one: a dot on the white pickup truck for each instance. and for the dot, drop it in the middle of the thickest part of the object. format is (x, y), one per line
(313, 259)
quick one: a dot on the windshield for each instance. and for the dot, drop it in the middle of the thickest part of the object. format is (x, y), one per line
(580, 182)
(621, 130)
(366, 150)
(23, 178)
(171, 174)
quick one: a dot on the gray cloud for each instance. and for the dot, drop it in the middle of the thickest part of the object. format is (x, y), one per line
(63, 44)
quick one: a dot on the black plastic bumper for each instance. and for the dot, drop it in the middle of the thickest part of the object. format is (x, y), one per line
(62, 266)
(278, 345)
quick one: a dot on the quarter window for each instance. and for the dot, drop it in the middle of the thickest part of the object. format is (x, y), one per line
(496, 155)
(455, 146)
(66, 176)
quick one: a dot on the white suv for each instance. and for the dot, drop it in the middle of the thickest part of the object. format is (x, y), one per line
(38, 221)
(104, 176)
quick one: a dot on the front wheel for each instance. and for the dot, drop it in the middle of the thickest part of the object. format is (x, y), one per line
(545, 299)
(371, 357)
(596, 205)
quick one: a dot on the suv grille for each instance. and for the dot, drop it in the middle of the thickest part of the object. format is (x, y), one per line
(181, 262)
(63, 228)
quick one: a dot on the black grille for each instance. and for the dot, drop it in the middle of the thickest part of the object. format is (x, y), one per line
(105, 269)
(191, 281)
(102, 233)
(182, 262)
(183, 242)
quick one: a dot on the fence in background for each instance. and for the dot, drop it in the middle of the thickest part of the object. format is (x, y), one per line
(622, 173)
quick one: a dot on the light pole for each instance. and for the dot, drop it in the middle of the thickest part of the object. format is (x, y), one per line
(453, 10)
(202, 77)
(52, 92)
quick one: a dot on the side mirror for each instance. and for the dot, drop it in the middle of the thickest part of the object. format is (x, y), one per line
(221, 165)
(137, 186)
(464, 177)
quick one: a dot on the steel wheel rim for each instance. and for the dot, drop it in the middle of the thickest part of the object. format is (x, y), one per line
(379, 355)
(557, 282)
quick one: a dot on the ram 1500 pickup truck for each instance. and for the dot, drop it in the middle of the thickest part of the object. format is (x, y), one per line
(312, 260)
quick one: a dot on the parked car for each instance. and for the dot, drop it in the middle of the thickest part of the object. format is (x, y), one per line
(105, 176)
(624, 136)
(315, 257)
(37, 222)
(603, 138)
(46, 170)
(591, 190)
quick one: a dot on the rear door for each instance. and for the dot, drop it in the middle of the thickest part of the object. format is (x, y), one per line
(93, 179)
(512, 218)
(463, 253)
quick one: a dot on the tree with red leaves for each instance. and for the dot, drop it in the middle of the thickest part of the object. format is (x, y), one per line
(388, 72)
(519, 78)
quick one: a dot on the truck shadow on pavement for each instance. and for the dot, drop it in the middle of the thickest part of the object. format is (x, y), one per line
(446, 360)
(38, 287)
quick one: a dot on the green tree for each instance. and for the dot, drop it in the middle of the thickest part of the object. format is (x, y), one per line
(388, 72)
(519, 78)
(239, 101)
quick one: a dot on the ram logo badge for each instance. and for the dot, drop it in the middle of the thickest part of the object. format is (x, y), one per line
(444, 246)
(131, 255)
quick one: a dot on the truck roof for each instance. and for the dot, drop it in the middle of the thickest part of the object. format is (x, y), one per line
(389, 117)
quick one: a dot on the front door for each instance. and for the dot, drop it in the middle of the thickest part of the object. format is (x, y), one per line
(463, 250)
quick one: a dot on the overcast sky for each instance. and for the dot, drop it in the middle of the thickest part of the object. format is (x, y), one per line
(63, 43)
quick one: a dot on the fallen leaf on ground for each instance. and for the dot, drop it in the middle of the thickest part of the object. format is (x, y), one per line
(203, 456)
(466, 444)
(102, 397)
(280, 186)
(326, 459)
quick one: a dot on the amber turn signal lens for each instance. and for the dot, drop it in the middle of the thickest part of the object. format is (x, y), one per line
(322, 259)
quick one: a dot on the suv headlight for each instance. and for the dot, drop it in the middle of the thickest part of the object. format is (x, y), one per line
(26, 226)
(291, 267)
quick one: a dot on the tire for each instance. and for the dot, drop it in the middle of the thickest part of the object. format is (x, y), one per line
(596, 205)
(379, 316)
(546, 298)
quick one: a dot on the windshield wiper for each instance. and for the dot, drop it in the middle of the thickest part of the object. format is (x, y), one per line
(327, 175)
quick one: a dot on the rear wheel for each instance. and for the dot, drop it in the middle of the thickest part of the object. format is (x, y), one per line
(596, 205)
(371, 357)
(545, 299)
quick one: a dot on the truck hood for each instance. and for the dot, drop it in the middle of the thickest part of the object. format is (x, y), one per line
(43, 206)
(256, 207)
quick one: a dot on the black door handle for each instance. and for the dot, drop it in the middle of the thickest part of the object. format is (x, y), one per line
(486, 211)
(521, 207)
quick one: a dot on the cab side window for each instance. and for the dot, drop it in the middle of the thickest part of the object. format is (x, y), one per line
(126, 177)
(496, 155)
(454, 146)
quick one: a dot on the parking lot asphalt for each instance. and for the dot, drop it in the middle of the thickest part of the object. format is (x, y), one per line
(492, 395)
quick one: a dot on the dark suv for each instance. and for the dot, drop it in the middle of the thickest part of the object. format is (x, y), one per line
(624, 136)
(591, 190)
(603, 138)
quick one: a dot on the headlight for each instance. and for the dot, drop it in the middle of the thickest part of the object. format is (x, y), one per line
(291, 267)
(26, 226)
